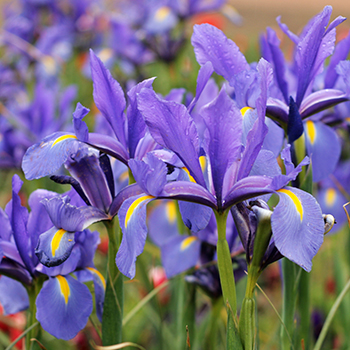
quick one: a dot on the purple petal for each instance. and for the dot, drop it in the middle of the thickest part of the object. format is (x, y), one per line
(297, 226)
(323, 147)
(179, 254)
(211, 44)
(54, 246)
(13, 296)
(136, 124)
(150, 174)
(19, 222)
(172, 127)
(224, 123)
(109, 145)
(70, 218)
(80, 127)
(46, 157)
(63, 306)
(320, 100)
(132, 219)
(203, 76)
(195, 216)
(108, 96)
(248, 187)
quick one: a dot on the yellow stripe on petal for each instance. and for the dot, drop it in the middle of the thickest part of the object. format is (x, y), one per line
(189, 175)
(62, 138)
(98, 273)
(295, 200)
(64, 286)
(311, 131)
(331, 195)
(244, 110)
(203, 162)
(56, 240)
(187, 242)
(133, 206)
(170, 208)
(162, 13)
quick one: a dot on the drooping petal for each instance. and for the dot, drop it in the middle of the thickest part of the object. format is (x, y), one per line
(132, 219)
(211, 44)
(63, 306)
(54, 246)
(179, 254)
(13, 296)
(46, 157)
(297, 226)
(172, 127)
(224, 123)
(108, 96)
(323, 147)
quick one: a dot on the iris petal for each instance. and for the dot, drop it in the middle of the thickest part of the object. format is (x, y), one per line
(297, 226)
(63, 306)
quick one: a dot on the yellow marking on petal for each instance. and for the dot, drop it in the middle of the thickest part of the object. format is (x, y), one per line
(62, 138)
(347, 119)
(331, 195)
(187, 242)
(56, 240)
(49, 63)
(203, 162)
(64, 286)
(189, 175)
(244, 110)
(162, 13)
(171, 211)
(311, 131)
(98, 273)
(295, 200)
(133, 206)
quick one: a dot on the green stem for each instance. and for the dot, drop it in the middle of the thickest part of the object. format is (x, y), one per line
(330, 317)
(32, 294)
(227, 281)
(225, 264)
(289, 302)
(112, 319)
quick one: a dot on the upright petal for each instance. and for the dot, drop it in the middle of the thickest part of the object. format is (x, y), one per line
(136, 124)
(172, 127)
(224, 123)
(211, 44)
(80, 128)
(109, 97)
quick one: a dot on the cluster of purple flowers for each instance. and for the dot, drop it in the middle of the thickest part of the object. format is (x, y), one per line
(218, 154)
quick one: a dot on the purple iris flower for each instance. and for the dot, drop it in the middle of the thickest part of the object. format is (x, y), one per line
(229, 183)
(292, 99)
(64, 303)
